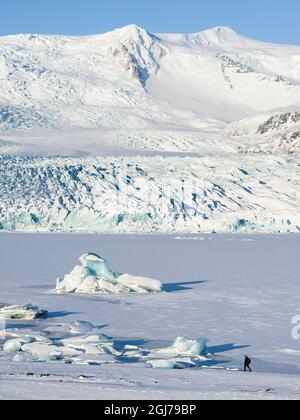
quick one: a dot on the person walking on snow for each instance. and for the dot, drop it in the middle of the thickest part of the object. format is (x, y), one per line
(247, 364)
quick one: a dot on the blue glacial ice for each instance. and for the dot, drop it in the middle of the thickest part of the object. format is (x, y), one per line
(95, 276)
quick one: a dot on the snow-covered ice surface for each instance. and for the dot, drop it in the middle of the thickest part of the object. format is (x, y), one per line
(239, 292)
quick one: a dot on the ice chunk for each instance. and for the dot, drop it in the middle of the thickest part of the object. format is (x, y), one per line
(43, 352)
(76, 328)
(81, 327)
(95, 276)
(14, 345)
(140, 284)
(165, 364)
(134, 354)
(186, 347)
(92, 349)
(97, 339)
(97, 344)
(21, 312)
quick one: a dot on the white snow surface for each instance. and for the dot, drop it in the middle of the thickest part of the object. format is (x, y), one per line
(240, 293)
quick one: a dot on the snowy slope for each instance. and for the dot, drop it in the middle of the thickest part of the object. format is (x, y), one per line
(130, 78)
(273, 133)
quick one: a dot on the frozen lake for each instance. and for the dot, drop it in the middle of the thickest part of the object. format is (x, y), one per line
(240, 292)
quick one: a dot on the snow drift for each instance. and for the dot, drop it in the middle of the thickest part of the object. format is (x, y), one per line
(95, 276)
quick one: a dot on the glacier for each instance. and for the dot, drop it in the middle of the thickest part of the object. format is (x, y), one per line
(210, 193)
(134, 132)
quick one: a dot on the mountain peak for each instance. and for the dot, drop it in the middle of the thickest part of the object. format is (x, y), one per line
(132, 31)
(218, 35)
(223, 30)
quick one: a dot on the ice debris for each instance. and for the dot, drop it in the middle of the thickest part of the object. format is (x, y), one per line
(16, 344)
(95, 348)
(21, 312)
(95, 276)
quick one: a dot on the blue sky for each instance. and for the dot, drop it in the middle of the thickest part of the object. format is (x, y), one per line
(269, 20)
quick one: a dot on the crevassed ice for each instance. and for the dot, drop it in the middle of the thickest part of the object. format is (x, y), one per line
(219, 193)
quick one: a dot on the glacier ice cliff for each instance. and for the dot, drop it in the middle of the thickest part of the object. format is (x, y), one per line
(228, 193)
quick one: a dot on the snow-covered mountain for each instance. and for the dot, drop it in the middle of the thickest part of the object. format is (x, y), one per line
(129, 79)
(95, 110)
(270, 133)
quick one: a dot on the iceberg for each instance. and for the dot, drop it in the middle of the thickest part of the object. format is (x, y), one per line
(95, 276)
(21, 312)
(184, 353)
(184, 346)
